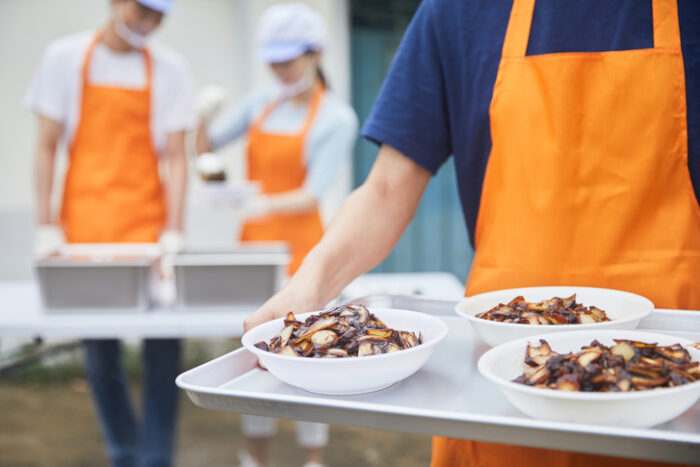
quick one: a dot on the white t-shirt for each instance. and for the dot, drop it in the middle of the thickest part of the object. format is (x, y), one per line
(55, 89)
(328, 145)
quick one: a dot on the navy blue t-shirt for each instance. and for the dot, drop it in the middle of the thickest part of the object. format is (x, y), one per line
(435, 100)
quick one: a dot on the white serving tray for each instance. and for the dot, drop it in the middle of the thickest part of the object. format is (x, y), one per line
(447, 397)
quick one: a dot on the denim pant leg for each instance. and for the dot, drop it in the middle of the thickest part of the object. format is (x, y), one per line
(110, 394)
(162, 365)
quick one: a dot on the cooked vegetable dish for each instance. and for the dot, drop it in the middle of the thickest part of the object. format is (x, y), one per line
(553, 311)
(626, 366)
(347, 331)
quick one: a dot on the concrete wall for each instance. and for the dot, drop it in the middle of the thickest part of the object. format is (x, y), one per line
(216, 36)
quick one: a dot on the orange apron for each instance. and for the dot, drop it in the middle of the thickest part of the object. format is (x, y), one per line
(587, 184)
(277, 162)
(113, 191)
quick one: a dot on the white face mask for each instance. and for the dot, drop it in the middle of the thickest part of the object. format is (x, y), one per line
(303, 84)
(133, 38)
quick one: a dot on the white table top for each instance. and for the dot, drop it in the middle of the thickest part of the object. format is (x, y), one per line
(22, 314)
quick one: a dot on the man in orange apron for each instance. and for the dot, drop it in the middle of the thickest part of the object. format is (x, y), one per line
(113, 192)
(583, 155)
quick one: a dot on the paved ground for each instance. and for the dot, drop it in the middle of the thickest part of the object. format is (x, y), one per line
(48, 421)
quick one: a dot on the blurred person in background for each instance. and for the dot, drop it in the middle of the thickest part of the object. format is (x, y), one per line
(575, 132)
(299, 135)
(121, 105)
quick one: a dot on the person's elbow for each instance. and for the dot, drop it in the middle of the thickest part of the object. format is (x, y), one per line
(174, 151)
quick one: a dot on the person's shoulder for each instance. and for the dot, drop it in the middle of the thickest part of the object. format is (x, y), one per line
(338, 112)
(68, 47)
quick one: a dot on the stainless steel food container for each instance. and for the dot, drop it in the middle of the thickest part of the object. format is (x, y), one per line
(241, 278)
(96, 280)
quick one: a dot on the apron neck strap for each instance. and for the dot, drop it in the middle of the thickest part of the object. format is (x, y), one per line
(313, 108)
(667, 34)
(85, 70)
(665, 18)
(310, 115)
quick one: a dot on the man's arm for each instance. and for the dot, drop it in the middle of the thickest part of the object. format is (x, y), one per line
(49, 136)
(361, 235)
(177, 179)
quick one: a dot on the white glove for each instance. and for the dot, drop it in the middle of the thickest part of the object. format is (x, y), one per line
(48, 239)
(256, 208)
(210, 163)
(209, 101)
(172, 242)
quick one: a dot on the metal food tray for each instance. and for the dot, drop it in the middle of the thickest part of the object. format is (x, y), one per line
(97, 278)
(447, 397)
(242, 278)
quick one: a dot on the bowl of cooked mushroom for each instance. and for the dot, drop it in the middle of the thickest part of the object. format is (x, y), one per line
(345, 350)
(505, 315)
(610, 377)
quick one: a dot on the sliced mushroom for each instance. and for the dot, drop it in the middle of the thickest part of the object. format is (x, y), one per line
(648, 382)
(284, 335)
(587, 318)
(305, 348)
(324, 337)
(335, 353)
(382, 333)
(568, 383)
(368, 348)
(289, 351)
(585, 358)
(538, 375)
(623, 349)
(676, 353)
(536, 356)
(598, 313)
(319, 325)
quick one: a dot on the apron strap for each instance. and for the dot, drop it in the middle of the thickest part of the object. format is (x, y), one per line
(667, 34)
(313, 109)
(518, 30)
(85, 70)
(311, 114)
(267, 110)
(665, 17)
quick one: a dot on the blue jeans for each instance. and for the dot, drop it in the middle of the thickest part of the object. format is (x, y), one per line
(130, 443)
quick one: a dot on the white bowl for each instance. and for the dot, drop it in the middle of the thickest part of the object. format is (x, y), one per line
(624, 310)
(351, 375)
(640, 409)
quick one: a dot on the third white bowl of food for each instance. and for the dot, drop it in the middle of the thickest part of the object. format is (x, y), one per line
(624, 310)
(656, 403)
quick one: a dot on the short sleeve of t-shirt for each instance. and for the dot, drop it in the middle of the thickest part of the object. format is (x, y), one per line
(176, 86)
(411, 113)
(48, 92)
(331, 146)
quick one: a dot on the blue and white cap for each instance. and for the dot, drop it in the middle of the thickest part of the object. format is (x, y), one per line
(164, 6)
(289, 30)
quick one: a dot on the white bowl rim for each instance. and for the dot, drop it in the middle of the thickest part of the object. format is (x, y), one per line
(443, 329)
(580, 395)
(648, 309)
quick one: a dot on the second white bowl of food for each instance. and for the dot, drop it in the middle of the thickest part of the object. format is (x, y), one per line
(634, 408)
(352, 374)
(623, 309)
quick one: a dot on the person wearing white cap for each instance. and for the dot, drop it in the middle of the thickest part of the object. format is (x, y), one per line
(299, 134)
(121, 105)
